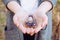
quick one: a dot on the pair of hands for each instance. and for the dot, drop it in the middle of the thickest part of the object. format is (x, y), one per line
(20, 17)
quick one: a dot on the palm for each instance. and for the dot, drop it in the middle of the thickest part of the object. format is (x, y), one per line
(42, 21)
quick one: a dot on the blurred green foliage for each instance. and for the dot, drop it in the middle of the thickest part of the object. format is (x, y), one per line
(58, 0)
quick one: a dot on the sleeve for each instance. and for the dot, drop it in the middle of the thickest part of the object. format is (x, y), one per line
(7, 1)
(48, 1)
(54, 2)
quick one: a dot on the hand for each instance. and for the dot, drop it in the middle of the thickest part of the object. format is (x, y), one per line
(42, 21)
(18, 20)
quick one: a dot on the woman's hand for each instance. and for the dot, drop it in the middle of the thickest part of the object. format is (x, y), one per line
(18, 20)
(42, 20)
(20, 17)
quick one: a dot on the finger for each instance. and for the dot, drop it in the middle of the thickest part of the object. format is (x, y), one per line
(23, 29)
(32, 32)
(44, 24)
(28, 30)
(15, 20)
(19, 25)
(38, 28)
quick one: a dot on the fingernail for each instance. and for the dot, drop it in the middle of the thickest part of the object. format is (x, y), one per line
(31, 34)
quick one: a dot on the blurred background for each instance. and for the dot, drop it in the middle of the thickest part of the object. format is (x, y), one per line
(55, 20)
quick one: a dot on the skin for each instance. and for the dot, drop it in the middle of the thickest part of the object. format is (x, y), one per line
(40, 13)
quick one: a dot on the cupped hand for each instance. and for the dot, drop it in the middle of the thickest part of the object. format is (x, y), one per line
(20, 17)
(42, 21)
(18, 20)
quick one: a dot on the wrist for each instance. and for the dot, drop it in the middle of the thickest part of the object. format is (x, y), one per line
(41, 11)
(19, 11)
